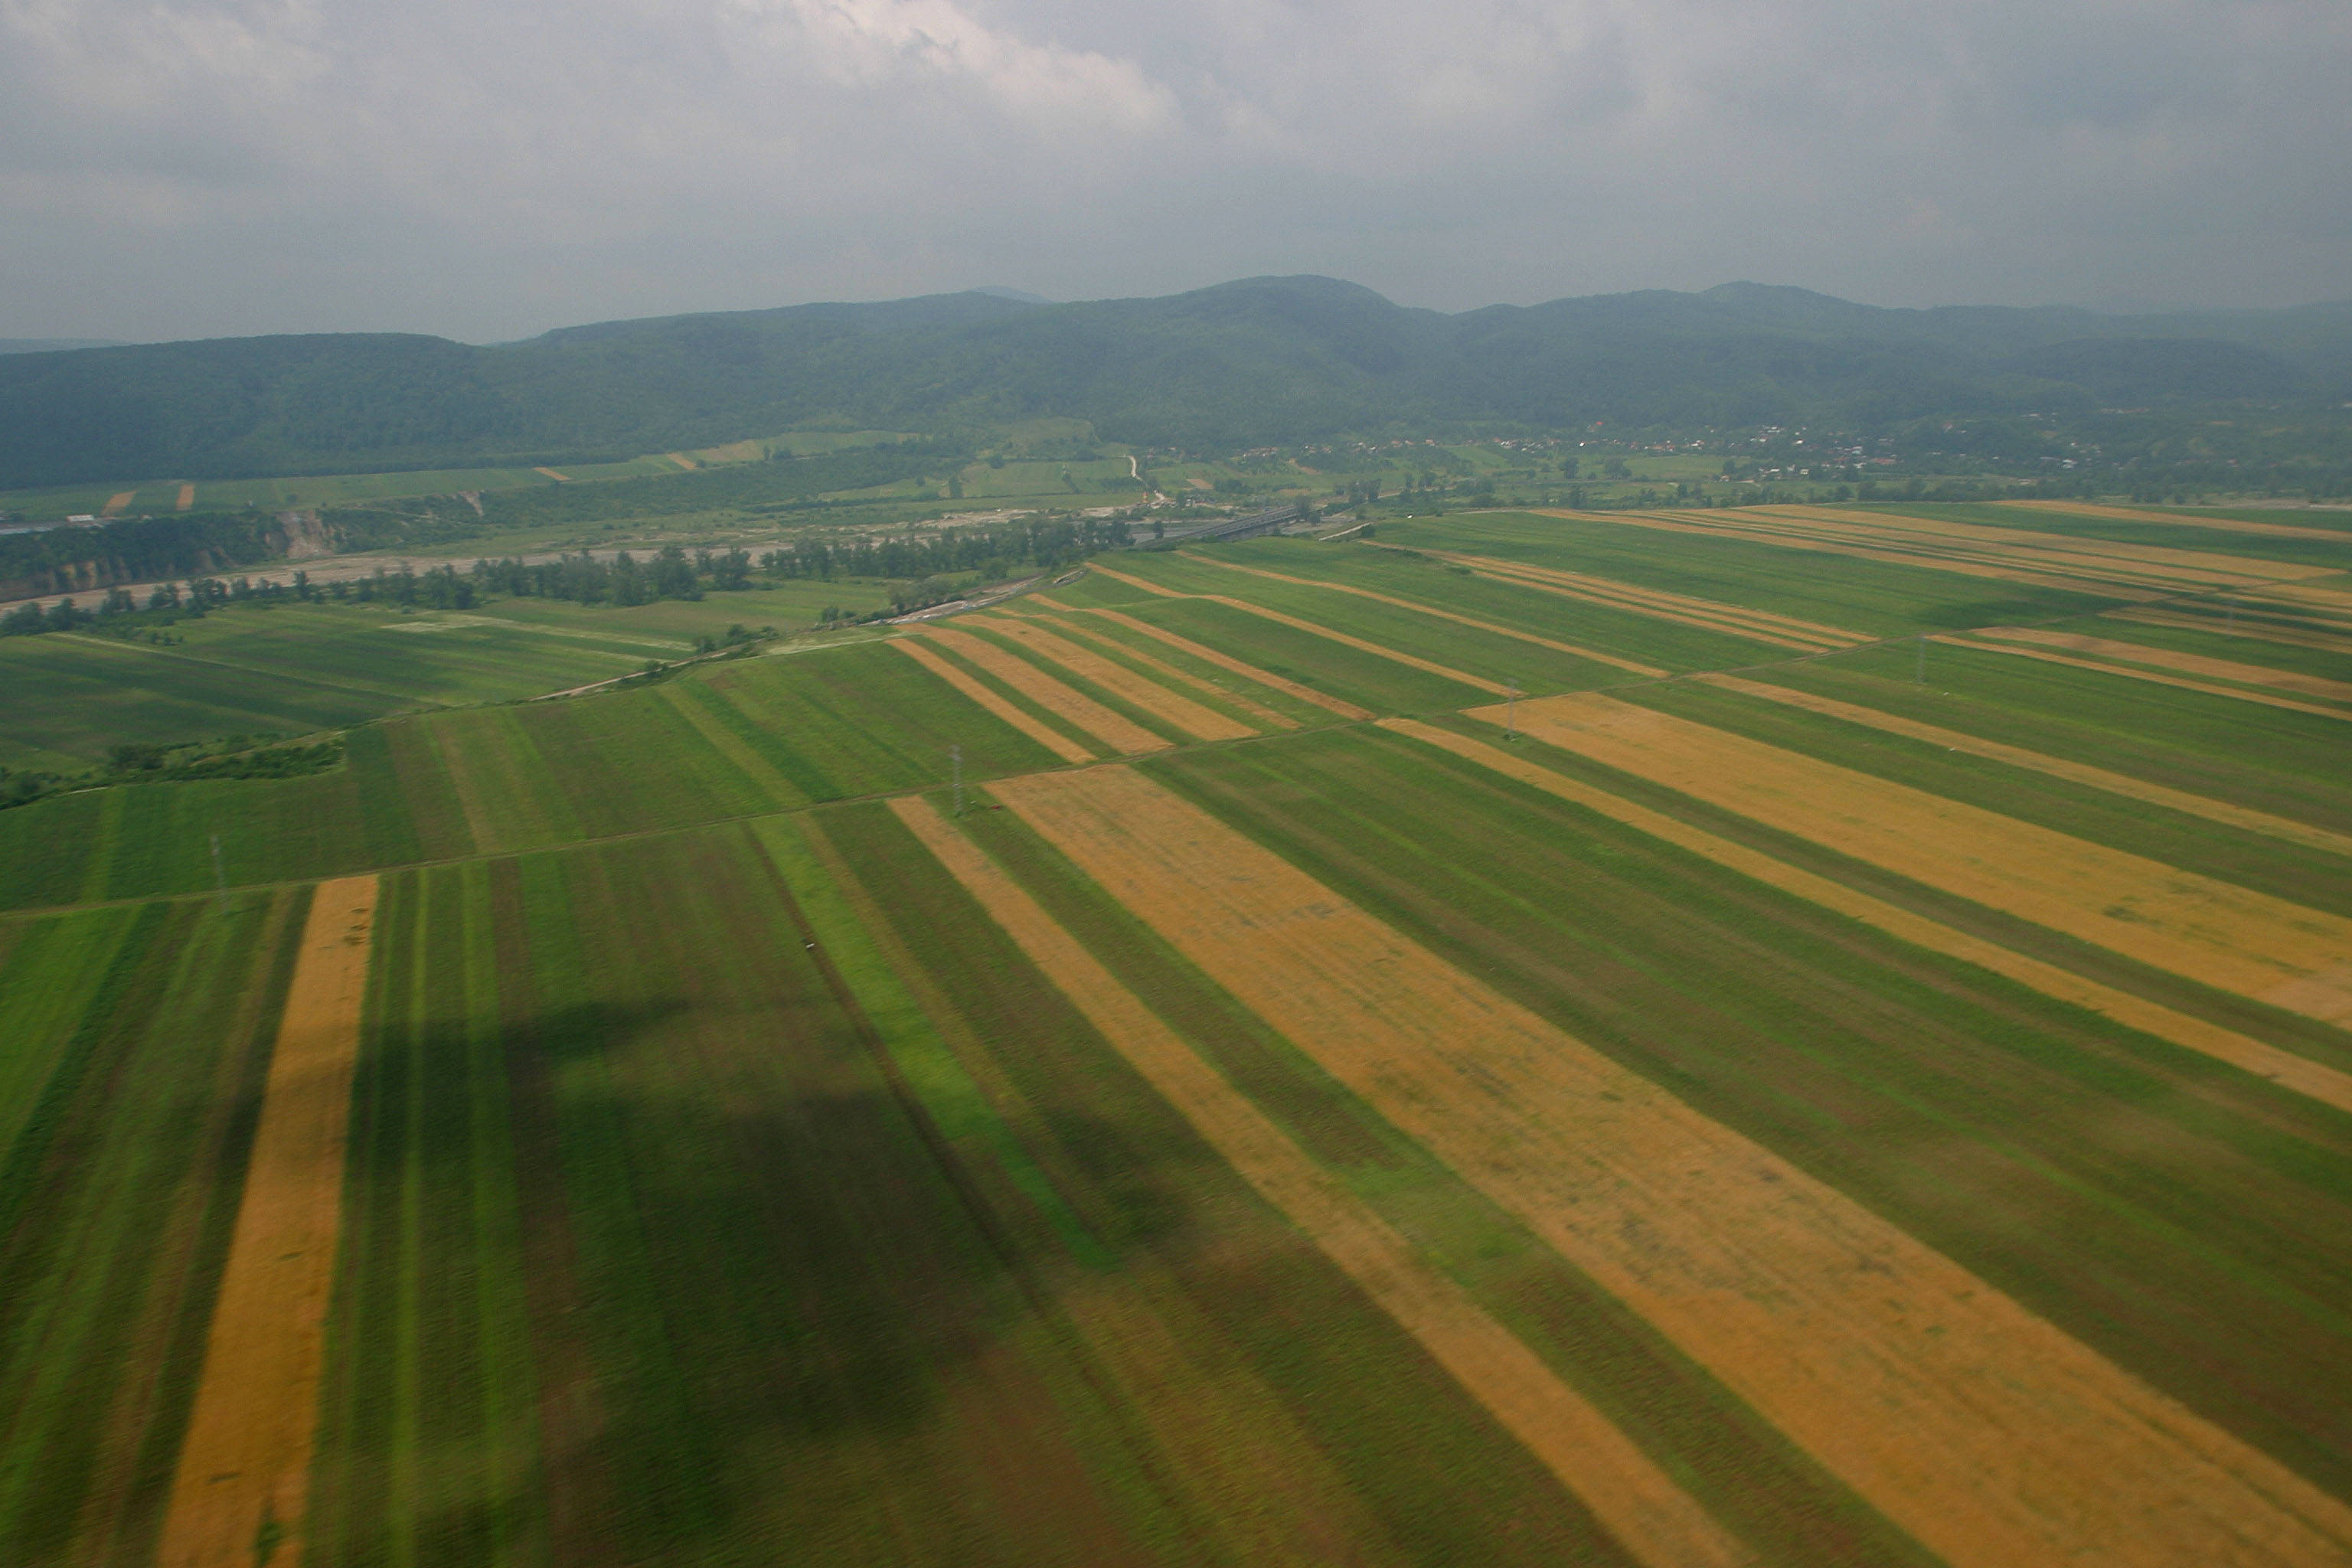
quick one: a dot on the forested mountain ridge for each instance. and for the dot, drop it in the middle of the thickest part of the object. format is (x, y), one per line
(1261, 360)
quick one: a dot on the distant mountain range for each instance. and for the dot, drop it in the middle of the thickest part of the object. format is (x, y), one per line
(1264, 361)
(54, 346)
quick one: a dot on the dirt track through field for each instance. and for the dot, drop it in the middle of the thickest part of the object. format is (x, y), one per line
(1759, 625)
(2130, 673)
(1226, 661)
(1200, 724)
(2286, 1068)
(2223, 524)
(2222, 810)
(1069, 626)
(2168, 659)
(1045, 735)
(1113, 729)
(2225, 936)
(1571, 648)
(1653, 1518)
(244, 1465)
(1995, 1439)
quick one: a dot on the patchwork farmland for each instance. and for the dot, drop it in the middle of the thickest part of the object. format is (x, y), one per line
(1764, 1035)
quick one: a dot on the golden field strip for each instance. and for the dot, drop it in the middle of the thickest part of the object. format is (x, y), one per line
(2224, 524)
(2155, 565)
(1297, 624)
(2228, 937)
(244, 1465)
(2301, 1074)
(1625, 664)
(2056, 767)
(1045, 735)
(2247, 627)
(1067, 623)
(1207, 654)
(1761, 625)
(2169, 658)
(2134, 673)
(1636, 1500)
(1113, 729)
(1993, 1438)
(1199, 722)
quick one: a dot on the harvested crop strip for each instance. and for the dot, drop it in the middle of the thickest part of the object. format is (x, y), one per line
(1146, 584)
(1045, 735)
(1993, 1438)
(2211, 810)
(2225, 524)
(2286, 1068)
(2130, 672)
(1610, 658)
(1200, 724)
(2209, 931)
(187, 497)
(2168, 659)
(1113, 729)
(1636, 1501)
(1071, 626)
(244, 1465)
(2251, 629)
(2156, 562)
(1208, 655)
(1759, 625)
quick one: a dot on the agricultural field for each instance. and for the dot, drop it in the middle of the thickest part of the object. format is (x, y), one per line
(1777, 1036)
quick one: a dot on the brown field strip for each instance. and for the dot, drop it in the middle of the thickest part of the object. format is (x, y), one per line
(683, 461)
(1149, 587)
(551, 473)
(1633, 1499)
(1207, 654)
(1115, 731)
(2223, 524)
(1200, 724)
(244, 1465)
(1660, 604)
(2211, 810)
(1669, 524)
(2130, 672)
(2169, 658)
(1994, 1439)
(2225, 936)
(2300, 1074)
(1928, 548)
(187, 497)
(2158, 561)
(2256, 631)
(115, 503)
(1069, 626)
(1045, 735)
(1609, 658)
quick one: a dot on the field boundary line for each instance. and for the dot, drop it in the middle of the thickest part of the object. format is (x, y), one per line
(2315, 1080)
(1247, 671)
(1635, 1501)
(2157, 677)
(1161, 701)
(1687, 609)
(2056, 767)
(1068, 626)
(1359, 644)
(244, 1471)
(1045, 735)
(1633, 666)
(1064, 701)
(2166, 659)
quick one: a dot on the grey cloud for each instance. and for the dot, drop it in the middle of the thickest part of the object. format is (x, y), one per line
(486, 170)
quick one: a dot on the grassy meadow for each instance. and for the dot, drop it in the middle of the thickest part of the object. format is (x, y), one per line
(1774, 1035)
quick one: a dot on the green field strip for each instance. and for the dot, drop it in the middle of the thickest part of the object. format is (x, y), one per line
(215, 660)
(426, 1431)
(1744, 1471)
(2294, 1033)
(634, 761)
(1433, 1467)
(1221, 691)
(2269, 759)
(1365, 680)
(108, 1261)
(712, 1101)
(2299, 873)
(2335, 665)
(1106, 626)
(1607, 629)
(1095, 590)
(1165, 729)
(2169, 1213)
(2184, 535)
(1005, 693)
(1869, 597)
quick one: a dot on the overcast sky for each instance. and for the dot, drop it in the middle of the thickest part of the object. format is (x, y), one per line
(491, 168)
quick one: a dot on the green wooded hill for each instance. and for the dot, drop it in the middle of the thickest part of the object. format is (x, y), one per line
(1265, 360)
